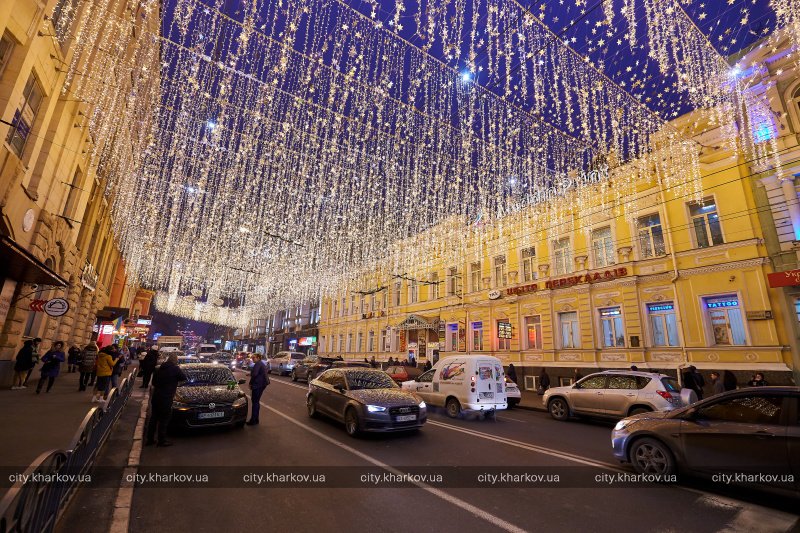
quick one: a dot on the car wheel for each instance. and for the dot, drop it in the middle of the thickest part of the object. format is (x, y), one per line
(311, 404)
(637, 410)
(558, 408)
(453, 408)
(294, 375)
(650, 456)
(351, 422)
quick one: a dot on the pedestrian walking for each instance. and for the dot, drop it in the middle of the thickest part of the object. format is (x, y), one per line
(717, 386)
(544, 382)
(428, 365)
(512, 373)
(104, 370)
(87, 366)
(372, 362)
(258, 382)
(148, 365)
(729, 380)
(23, 365)
(51, 365)
(119, 366)
(757, 381)
(72, 359)
(165, 384)
(692, 379)
(390, 362)
(36, 342)
(577, 376)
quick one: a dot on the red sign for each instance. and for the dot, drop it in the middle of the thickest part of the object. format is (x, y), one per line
(784, 279)
(570, 281)
(37, 305)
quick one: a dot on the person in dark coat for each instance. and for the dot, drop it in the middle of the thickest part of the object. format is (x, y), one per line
(577, 376)
(72, 358)
(544, 381)
(729, 380)
(258, 382)
(147, 366)
(692, 379)
(165, 384)
(428, 365)
(23, 364)
(757, 381)
(512, 373)
(51, 365)
(717, 385)
(36, 342)
(87, 366)
(119, 366)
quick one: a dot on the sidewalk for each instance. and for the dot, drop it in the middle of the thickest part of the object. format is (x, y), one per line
(36, 423)
(531, 401)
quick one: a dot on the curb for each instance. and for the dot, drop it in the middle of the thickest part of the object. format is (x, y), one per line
(120, 520)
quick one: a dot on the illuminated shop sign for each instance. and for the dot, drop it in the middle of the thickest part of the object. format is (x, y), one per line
(727, 302)
(504, 330)
(452, 327)
(611, 311)
(307, 341)
(477, 325)
(654, 308)
(593, 277)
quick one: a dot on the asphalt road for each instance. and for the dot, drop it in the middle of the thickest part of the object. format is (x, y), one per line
(515, 441)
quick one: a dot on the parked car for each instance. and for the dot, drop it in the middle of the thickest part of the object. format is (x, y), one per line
(402, 373)
(206, 351)
(513, 393)
(753, 430)
(284, 362)
(187, 359)
(350, 364)
(209, 397)
(617, 394)
(307, 368)
(365, 399)
(463, 383)
(222, 358)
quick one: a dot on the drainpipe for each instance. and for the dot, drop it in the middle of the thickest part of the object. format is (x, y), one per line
(673, 281)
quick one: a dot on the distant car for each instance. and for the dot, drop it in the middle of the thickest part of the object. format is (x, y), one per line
(307, 368)
(350, 364)
(753, 431)
(513, 393)
(402, 373)
(187, 359)
(222, 358)
(284, 362)
(365, 399)
(209, 397)
(206, 352)
(617, 394)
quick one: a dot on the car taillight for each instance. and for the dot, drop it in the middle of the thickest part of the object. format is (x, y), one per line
(472, 384)
(664, 394)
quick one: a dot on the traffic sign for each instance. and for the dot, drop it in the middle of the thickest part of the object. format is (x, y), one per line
(56, 307)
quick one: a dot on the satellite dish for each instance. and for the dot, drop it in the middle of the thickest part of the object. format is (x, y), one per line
(197, 293)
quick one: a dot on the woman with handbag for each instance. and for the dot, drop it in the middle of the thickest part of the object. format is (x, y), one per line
(51, 364)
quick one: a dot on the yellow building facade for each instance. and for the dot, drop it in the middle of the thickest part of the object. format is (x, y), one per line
(684, 282)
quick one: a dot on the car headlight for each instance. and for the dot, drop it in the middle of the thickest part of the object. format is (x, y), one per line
(622, 424)
(375, 408)
(179, 405)
(239, 402)
(422, 405)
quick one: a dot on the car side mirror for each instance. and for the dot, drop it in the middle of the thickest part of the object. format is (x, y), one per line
(241, 382)
(339, 387)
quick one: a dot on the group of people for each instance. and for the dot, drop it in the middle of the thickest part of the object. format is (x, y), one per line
(97, 368)
(692, 379)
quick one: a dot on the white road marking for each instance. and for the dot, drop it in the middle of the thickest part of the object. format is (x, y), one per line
(473, 510)
(120, 520)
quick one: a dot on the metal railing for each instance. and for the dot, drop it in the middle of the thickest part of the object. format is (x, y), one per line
(35, 506)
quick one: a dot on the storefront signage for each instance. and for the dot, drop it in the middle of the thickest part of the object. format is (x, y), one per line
(504, 330)
(494, 294)
(144, 321)
(89, 277)
(307, 341)
(759, 315)
(655, 308)
(611, 311)
(477, 325)
(593, 277)
(56, 307)
(784, 279)
(714, 304)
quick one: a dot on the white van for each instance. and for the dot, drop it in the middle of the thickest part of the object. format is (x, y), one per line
(462, 383)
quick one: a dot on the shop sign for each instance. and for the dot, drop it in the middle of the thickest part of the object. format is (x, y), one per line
(494, 294)
(592, 277)
(655, 308)
(759, 315)
(89, 277)
(504, 330)
(307, 341)
(784, 279)
(717, 303)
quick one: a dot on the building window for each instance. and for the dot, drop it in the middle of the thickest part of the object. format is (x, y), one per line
(500, 271)
(562, 257)
(413, 291)
(611, 327)
(343, 310)
(602, 248)
(797, 308)
(451, 340)
(371, 341)
(363, 305)
(322, 343)
(570, 330)
(349, 342)
(705, 223)
(395, 340)
(72, 195)
(503, 335)
(397, 287)
(360, 345)
(382, 340)
(533, 332)
(385, 299)
(352, 304)
(6, 47)
(341, 343)
(725, 317)
(452, 281)
(528, 256)
(373, 302)
(475, 276)
(651, 237)
(25, 115)
(477, 336)
(663, 323)
(433, 286)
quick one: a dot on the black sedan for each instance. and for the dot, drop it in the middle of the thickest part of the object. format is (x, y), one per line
(209, 397)
(365, 399)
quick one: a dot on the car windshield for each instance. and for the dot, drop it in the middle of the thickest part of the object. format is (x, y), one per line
(671, 384)
(370, 380)
(208, 349)
(298, 356)
(208, 376)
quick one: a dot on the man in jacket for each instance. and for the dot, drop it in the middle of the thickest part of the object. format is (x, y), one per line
(148, 365)
(258, 382)
(23, 364)
(165, 384)
(87, 366)
(692, 379)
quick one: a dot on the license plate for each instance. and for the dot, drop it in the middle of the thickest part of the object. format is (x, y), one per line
(213, 414)
(406, 418)
(487, 395)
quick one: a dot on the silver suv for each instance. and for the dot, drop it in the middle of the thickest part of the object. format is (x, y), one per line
(617, 394)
